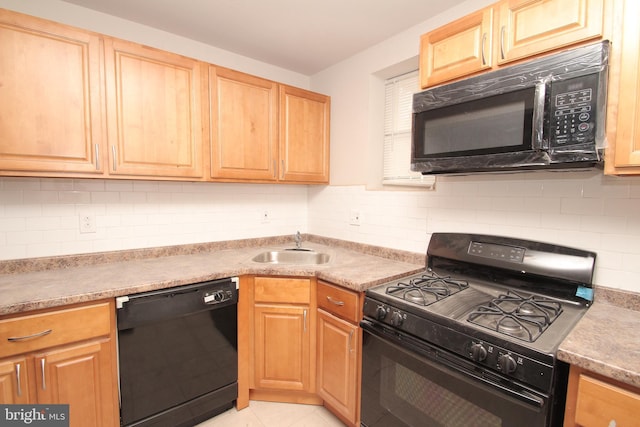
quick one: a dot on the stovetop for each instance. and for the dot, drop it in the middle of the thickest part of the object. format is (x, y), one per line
(499, 314)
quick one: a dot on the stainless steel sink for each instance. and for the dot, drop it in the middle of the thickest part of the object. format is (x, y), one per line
(292, 257)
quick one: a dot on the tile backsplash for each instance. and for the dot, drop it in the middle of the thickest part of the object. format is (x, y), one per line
(41, 217)
(586, 210)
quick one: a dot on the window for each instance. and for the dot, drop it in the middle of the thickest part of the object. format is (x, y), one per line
(399, 92)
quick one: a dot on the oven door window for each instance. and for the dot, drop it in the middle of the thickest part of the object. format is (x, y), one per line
(496, 124)
(402, 388)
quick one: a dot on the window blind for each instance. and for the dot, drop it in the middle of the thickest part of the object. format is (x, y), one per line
(399, 92)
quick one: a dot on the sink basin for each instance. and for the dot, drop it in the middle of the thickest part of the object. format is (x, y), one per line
(292, 257)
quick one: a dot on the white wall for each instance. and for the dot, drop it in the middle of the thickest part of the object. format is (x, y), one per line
(40, 217)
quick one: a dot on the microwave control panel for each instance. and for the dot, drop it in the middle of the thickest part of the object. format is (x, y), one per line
(573, 111)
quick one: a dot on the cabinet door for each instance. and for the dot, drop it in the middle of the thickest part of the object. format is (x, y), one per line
(282, 347)
(154, 112)
(14, 381)
(529, 27)
(304, 136)
(50, 109)
(338, 355)
(81, 376)
(623, 153)
(457, 49)
(244, 125)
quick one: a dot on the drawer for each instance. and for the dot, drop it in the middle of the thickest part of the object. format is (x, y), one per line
(65, 326)
(339, 301)
(603, 404)
(282, 290)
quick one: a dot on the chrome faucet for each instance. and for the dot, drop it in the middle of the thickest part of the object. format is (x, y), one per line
(298, 239)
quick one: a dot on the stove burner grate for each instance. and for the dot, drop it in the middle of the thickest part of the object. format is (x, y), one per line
(522, 317)
(427, 289)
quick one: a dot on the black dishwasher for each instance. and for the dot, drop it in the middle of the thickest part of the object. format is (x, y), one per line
(178, 354)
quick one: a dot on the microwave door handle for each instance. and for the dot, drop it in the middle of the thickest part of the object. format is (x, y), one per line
(537, 125)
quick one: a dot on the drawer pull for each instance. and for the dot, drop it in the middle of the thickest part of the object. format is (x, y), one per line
(28, 337)
(335, 302)
(18, 383)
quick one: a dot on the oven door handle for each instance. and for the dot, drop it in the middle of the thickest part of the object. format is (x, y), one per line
(450, 361)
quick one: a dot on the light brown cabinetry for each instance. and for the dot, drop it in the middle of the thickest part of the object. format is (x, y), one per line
(623, 124)
(594, 401)
(243, 126)
(507, 31)
(154, 112)
(50, 98)
(304, 136)
(62, 357)
(284, 337)
(76, 103)
(339, 354)
(458, 49)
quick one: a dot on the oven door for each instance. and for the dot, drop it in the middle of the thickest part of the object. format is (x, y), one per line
(408, 383)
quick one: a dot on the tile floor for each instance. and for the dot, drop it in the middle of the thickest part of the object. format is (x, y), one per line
(269, 414)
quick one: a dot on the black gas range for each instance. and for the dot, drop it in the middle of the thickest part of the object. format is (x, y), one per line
(488, 308)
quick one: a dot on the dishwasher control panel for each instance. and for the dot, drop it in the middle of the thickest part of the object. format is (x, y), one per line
(217, 296)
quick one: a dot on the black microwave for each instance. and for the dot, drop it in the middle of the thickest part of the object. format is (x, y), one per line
(547, 113)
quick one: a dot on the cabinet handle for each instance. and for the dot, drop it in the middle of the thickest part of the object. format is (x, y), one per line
(335, 302)
(351, 341)
(484, 42)
(97, 147)
(275, 168)
(18, 383)
(27, 337)
(44, 383)
(115, 163)
(282, 165)
(502, 31)
(304, 319)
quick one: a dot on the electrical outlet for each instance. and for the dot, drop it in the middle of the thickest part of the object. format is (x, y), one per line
(265, 217)
(354, 217)
(87, 223)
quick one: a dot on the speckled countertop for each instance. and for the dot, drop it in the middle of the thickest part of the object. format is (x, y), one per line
(607, 339)
(43, 283)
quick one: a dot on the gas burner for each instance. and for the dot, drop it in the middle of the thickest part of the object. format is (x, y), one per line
(522, 317)
(427, 288)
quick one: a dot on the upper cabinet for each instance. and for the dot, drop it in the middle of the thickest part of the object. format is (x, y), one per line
(50, 91)
(623, 122)
(264, 131)
(243, 125)
(508, 31)
(154, 115)
(458, 49)
(80, 104)
(304, 136)
(527, 27)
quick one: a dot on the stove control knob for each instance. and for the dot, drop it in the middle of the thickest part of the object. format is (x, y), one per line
(478, 352)
(397, 318)
(506, 363)
(381, 312)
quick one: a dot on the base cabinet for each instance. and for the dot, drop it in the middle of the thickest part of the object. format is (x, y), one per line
(339, 351)
(283, 340)
(594, 401)
(338, 356)
(62, 357)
